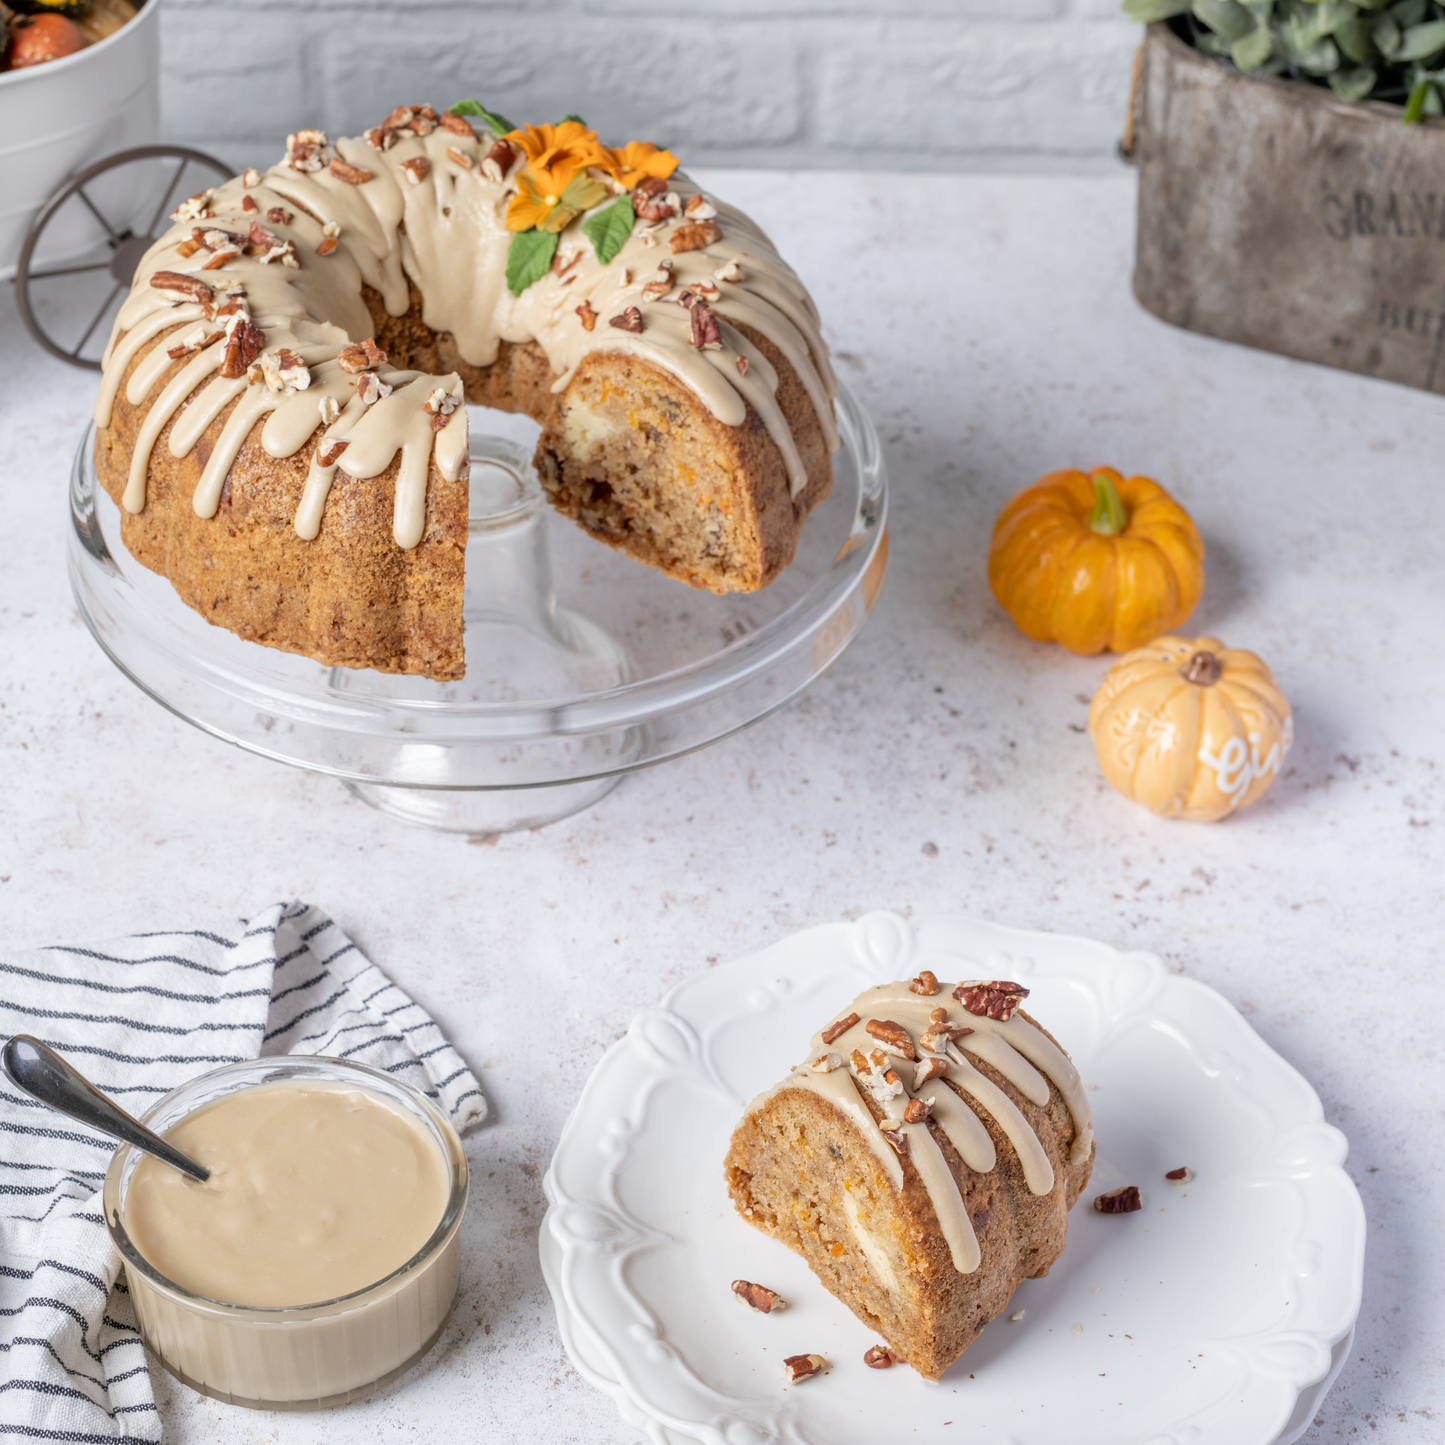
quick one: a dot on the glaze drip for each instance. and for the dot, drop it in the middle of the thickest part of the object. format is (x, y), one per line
(1015, 1048)
(301, 289)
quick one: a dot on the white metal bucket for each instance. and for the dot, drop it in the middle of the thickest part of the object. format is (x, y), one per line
(59, 117)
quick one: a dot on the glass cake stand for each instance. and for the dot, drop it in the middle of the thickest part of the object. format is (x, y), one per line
(582, 665)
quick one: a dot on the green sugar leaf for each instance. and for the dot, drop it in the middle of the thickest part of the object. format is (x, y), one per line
(566, 118)
(499, 125)
(528, 258)
(608, 230)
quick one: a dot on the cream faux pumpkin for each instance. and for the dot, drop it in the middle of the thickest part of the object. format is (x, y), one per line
(1190, 729)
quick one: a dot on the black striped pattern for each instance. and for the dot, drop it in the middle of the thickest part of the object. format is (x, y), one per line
(140, 1016)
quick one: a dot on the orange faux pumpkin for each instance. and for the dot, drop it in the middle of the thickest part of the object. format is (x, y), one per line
(1096, 561)
(1190, 729)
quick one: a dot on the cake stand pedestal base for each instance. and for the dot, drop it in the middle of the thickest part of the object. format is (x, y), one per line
(495, 810)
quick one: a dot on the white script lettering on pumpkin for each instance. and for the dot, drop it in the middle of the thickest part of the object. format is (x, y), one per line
(1238, 765)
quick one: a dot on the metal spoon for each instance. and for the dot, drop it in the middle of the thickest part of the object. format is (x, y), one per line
(44, 1075)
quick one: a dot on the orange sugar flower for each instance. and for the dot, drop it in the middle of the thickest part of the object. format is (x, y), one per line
(545, 146)
(543, 203)
(637, 161)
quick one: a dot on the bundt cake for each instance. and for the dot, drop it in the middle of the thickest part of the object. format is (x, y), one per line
(279, 418)
(923, 1159)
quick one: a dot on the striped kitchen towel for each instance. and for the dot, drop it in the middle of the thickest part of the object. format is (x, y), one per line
(140, 1016)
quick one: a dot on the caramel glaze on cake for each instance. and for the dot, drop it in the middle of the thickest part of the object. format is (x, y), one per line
(925, 1166)
(702, 457)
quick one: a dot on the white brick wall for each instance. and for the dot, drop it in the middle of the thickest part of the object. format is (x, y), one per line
(871, 84)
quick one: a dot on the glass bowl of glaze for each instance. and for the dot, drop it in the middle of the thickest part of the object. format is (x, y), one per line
(582, 664)
(311, 1355)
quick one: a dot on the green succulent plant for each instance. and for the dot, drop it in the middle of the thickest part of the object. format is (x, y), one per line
(1359, 48)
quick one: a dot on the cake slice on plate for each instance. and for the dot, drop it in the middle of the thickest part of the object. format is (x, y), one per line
(923, 1159)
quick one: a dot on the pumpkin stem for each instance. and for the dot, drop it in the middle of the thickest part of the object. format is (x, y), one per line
(1203, 668)
(1108, 518)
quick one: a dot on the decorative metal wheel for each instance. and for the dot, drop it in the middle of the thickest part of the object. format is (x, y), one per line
(83, 247)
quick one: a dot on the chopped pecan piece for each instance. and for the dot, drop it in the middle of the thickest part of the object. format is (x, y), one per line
(802, 1367)
(292, 370)
(233, 307)
(251, 177)
(893, 1036)
(352, 175)
(371, 388)
(329, 408)
(880, 1357)
(1123, 1200)
(380, 137)
(417, 169)
(759, 1297)
(186, 250)
(282, 251)
(219, 257)
(694, 236)
(699, 208)
(915, 1111)
(929, 1069)
(839, 1028)
(587, 316)
(460, 158)
(329, 451)
(1181, 1175)
(197, 340)
(995, 1000)
(705, 289)
(898, 1140)
(243, 346)
(825, 1063)
(280, 216)
(630, 320)
(656, 290)
(441, 404)
(499, 160)
(742, 364)
(860, 1063)
(730, 272)
(197, 207)
(937, 1039)
(303, 150)
(650, 201)
(926, 983)
(456, 124)
(177, 286)
(248, 204)
(938, 1015)
(705, 333)
(399, 118)
(327, 245)
(362, 356)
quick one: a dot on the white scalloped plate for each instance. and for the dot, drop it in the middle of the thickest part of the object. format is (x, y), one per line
(1219, 1315)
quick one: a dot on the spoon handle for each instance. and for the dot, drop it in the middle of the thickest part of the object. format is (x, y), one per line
(45, 1076)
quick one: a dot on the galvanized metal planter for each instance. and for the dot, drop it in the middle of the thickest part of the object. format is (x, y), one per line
(1273, 214)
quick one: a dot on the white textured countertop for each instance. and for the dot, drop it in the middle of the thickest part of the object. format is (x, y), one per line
(988, 325)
